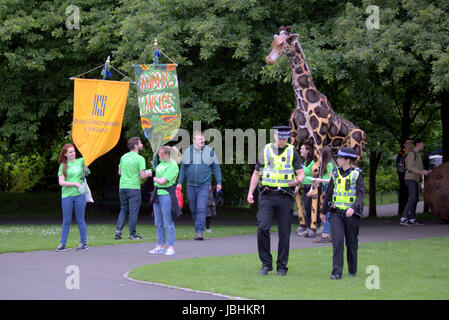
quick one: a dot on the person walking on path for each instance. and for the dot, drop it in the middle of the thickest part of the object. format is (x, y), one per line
(281, 170)
(197, 165)
(400, 169)
(414, 170)
(131, 170)
(163, 202)
(70, 175)
(346, 191)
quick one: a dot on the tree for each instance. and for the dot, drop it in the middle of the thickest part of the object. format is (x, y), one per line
(390, 79)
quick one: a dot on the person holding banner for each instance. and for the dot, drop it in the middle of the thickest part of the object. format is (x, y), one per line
(70, 175)
(164, 180)
(198, 163)
(131, 170)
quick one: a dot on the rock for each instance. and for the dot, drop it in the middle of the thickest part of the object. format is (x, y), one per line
(436, 191)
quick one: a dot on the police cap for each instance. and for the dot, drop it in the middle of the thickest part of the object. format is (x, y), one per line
(347, 153)
(283, 132)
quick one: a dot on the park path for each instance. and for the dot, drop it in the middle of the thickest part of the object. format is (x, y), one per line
(41, 275)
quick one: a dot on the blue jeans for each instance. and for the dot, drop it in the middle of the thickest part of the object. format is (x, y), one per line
(129, 205)
(163, 220)
(410, 207)
(197, 196)
(327, 224)
(68, 204)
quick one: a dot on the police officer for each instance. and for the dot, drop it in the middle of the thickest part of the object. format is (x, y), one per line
(282, 172)
(344, 199)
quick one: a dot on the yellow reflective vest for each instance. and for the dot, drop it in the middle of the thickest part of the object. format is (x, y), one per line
(345, 189)
(278, 170)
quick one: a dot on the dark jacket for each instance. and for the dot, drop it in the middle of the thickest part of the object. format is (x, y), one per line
(197, 167)
(211, 208)
(175, 210)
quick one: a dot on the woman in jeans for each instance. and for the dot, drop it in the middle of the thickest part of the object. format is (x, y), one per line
(166, 174)
(70, 176)
(306, 152)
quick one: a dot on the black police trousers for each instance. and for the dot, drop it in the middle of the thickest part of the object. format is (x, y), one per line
(279, 204)
(344, 228)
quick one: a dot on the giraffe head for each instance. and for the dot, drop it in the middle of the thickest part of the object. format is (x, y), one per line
(283, 43)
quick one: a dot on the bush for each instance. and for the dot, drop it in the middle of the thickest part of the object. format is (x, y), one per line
(20, 174)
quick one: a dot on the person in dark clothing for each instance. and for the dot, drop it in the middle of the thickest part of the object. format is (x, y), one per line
(400, 169)
(211, 210)
(281, 170)
(344, 199)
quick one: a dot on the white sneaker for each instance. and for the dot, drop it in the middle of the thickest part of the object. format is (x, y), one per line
(170, 252)
(157, 251)
(208, 230)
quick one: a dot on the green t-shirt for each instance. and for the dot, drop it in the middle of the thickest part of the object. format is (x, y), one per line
(308, 172)
(131, 164)
(168, 170)
(74, 174)
(330, 168)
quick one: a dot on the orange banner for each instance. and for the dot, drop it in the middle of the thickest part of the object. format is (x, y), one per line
(98, 111)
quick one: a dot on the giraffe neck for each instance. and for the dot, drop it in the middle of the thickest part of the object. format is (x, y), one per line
(301, 76)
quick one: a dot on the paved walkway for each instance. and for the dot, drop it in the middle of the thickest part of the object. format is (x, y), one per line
(42, 274)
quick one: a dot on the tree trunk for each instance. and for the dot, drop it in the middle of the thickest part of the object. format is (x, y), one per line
(374, 160)
(445, 123)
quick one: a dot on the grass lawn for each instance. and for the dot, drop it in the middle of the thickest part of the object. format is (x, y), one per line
(411, 269)
(21, 238)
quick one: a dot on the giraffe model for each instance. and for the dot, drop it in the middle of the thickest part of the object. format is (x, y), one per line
(313, 120)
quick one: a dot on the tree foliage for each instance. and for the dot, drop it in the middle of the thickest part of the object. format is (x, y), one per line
(385, 80)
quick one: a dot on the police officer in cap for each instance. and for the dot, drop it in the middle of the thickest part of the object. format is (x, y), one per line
(344, 200)
(281, 170)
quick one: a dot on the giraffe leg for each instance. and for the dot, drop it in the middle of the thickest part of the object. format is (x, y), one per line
(313, 222)
(302, 220)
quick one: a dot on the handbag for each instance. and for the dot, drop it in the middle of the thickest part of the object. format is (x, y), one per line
(88, 193)
(84, 188)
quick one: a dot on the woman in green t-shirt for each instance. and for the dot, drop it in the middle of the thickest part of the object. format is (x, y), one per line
(166, 174)
(306, 152)
(70, 177)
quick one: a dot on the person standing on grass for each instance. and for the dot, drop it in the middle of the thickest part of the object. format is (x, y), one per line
(131, 170)
(164, 201)
(280, 167)
(346, 191)
(197, 165)
(414, 170)
(70, 175)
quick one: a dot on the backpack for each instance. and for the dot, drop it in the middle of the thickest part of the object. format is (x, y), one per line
(400, 164)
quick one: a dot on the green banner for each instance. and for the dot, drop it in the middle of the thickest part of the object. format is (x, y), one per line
(159, 105)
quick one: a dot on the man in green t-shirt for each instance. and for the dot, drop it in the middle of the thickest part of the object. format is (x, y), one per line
(131, 170)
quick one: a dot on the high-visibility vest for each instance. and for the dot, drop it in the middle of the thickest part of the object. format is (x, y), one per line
(344, 189)
(278, 170)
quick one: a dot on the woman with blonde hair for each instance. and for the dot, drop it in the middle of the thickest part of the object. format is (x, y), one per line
(164, 201)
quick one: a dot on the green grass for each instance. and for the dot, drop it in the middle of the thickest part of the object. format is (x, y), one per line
(411, 269)
(21, 238)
